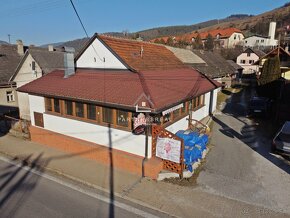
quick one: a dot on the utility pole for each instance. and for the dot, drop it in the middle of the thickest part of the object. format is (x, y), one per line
(9, 38)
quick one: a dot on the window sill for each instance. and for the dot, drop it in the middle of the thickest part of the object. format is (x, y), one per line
(89, 121)
(175, 120)
(197, 108)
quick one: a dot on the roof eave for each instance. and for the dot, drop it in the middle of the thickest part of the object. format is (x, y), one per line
(19, 66)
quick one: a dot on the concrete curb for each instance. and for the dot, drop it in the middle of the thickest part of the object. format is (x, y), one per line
(83, 182)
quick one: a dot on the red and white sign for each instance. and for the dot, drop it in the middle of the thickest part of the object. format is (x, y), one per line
(139, 124)
(168, 149)
(139, 120)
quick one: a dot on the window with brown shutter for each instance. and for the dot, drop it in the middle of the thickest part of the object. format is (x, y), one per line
(38, 119)
(68, 105)
(79, 109)
(87, 112)
(122, 118)
(107, 115)
(56, 104)
(48, 104)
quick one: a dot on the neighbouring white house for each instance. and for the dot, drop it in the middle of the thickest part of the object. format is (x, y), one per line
(116, 85)
(247, 59)
(35, 63)
(257, 41)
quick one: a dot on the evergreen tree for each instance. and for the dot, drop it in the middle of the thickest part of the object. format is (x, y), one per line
(181, 44)
(271, 70)
(170, 41)
(157, 41)
(209, 42)
(162, 41)
(197, 44)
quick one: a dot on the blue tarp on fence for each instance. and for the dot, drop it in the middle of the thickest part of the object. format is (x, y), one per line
(194, 145)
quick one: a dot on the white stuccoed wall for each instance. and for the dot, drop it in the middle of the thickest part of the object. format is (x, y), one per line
(94, 55)
(198, 115)
(214, 103)
(121, 140)
(232, 42)
(179, 125)
(202, 112)
(36, 104)
(24, 76)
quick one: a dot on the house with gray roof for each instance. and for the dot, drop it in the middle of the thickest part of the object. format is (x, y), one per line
(35, 63)
(237, 67)
(211, 64)
(10, 56)
(247, 59)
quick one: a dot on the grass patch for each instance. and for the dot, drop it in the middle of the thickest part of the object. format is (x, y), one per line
(224, 94)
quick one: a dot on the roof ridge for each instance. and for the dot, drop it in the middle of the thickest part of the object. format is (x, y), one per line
(146, 89)
(130, 40)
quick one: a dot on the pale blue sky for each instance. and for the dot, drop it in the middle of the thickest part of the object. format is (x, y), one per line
(45, 21)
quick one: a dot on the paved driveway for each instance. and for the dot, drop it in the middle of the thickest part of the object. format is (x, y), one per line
(240, 165)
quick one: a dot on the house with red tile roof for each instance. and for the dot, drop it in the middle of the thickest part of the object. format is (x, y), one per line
(98, 104)
(224, 38)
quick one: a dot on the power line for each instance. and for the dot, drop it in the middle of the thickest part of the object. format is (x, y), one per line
(80, 20)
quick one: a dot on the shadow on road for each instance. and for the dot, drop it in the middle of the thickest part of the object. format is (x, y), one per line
(17, 185)
(257, 133)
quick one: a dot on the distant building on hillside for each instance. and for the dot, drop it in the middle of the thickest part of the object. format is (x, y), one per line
(223, 38)
(257, 41)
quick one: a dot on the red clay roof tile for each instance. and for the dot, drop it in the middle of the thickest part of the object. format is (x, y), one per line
(123, 88)
(141, 55)
(224, 33)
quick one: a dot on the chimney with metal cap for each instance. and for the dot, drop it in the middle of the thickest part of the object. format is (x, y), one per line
(69, 65)
(20, 47)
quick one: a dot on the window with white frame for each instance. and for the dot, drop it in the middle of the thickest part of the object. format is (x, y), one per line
(10, 96)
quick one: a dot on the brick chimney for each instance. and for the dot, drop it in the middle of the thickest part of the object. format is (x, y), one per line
(20, 47)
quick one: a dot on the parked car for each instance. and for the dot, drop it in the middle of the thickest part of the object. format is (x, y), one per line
(281, 142)
(259, 106)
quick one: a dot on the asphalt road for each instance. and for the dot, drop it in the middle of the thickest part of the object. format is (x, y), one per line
(25, 191)
(241, 166)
